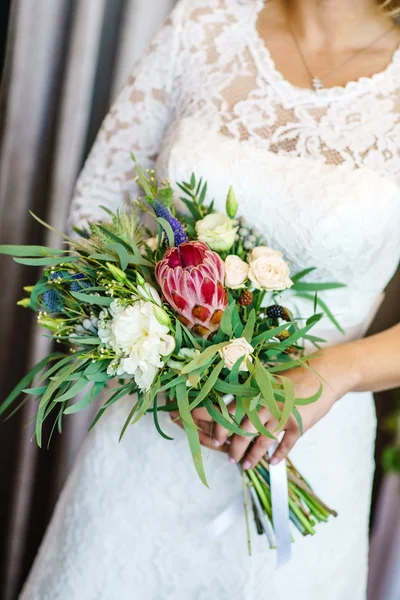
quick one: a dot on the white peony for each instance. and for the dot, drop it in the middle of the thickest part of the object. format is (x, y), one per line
(234, 350)
(270, 272)
(217, 231)
(236, 272)
(139, 339)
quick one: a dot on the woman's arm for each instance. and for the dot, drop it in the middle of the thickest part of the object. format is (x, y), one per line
(136, 123)
(370, 364)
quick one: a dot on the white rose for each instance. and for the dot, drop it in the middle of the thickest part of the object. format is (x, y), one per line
(237, 349)
(270, 273)
(236, 272)
(137, 336)
(263, 251)
(217, 231)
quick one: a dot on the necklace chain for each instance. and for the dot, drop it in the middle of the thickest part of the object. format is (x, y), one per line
(317, 82)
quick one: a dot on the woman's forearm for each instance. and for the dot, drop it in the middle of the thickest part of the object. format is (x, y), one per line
(375, 361)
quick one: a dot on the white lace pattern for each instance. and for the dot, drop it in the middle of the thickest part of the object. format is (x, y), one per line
(319, 173)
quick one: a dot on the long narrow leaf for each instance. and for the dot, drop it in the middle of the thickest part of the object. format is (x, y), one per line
(27, 380)
(263, 379)
(191, 431)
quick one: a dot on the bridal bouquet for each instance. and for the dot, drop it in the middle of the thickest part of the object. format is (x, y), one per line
(192, 314)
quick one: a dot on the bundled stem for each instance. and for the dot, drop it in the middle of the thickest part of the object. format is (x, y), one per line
(306, 509)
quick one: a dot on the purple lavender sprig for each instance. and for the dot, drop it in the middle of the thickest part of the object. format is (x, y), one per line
(177, 228)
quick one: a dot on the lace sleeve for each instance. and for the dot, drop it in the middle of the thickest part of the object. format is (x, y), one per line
(136, 123)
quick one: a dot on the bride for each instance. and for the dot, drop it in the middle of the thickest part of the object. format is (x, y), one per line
(297, 105)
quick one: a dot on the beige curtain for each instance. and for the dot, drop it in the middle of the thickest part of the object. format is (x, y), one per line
(66, 60)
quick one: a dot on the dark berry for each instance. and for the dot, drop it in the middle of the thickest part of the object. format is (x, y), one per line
(278, 312)
(246, 298)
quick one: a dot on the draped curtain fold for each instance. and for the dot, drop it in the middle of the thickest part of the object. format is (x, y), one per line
(65, 62)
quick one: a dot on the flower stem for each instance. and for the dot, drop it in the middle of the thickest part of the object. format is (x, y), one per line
(246, 510)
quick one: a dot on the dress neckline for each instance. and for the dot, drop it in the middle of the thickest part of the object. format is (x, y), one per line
(267, 67)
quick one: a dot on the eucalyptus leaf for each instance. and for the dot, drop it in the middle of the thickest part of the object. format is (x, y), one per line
(29, 251)
(208, 386)
(191, 430)
(263, 379)
(88, 299)
(27, 380)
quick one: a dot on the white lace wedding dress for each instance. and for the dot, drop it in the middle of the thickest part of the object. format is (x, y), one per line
(319, 174)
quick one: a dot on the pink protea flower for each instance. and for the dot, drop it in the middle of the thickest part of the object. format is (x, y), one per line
(191, 278)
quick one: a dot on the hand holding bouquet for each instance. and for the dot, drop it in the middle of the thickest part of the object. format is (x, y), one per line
(192, 314)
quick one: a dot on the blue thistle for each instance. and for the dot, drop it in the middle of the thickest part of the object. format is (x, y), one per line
(177, 228)
(53, 302)
(79, 284)
(58, 274)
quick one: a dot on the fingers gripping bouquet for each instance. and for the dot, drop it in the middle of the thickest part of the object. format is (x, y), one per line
(192, 314)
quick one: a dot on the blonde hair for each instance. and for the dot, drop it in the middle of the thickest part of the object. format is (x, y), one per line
(391, 6)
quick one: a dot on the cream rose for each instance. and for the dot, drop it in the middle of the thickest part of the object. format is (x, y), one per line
(237, 349)
(263, 251)
(152, 243)
(236, 272)
(270, 272)
(217, 231)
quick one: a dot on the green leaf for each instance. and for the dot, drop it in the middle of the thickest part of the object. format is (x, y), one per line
(27, 380)
(87, 341)
(226, 321)
(156, 421)
(25, 251)
(299, 420)
(248, 331)
(230, 425)
(147, 400)
(191, 430)
(302, 274)
(256, 421)
(203, 358)
(88, 299)
(236, 390)
(208, 386)
(316, 287)
(36, 391)
(290, 395)
(168, 231)
(122, 254)
(142, 179)
(77, 387)
(117, 395)
(326, 310)
(178, 336)
(263, 379)
(310, 399)
(131, 415)
(44, 262)
(59, 364)
(40, 287)
(87, 399)
(269, 334)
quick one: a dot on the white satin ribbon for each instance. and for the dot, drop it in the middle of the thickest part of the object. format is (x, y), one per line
(280, 507)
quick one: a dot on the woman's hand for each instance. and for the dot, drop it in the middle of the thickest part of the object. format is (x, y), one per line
(334, 366)
(335, 371)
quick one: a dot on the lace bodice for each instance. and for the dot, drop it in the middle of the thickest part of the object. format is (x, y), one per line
(209, 61)
(327, 163)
